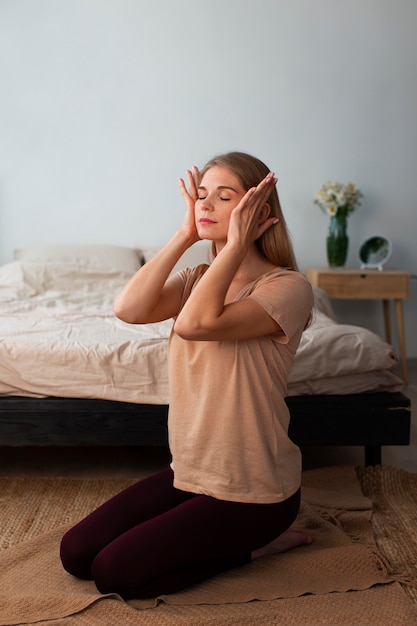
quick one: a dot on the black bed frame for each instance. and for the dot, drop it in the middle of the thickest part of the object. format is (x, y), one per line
(371, 420)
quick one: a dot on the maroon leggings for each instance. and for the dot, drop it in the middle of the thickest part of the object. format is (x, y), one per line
(153, 539)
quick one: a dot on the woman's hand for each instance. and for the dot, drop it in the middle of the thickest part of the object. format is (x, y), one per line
(190, 196)
(250, 218)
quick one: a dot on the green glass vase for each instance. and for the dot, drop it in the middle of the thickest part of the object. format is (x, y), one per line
(337, 241)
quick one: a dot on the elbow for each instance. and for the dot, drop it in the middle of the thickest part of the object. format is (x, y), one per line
(124, 314)
(183, 330)
(191, 330)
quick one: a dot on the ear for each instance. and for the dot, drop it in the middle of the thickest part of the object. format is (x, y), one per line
(264, 213)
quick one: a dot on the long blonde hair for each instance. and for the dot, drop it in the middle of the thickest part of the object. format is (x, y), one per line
(275, 244)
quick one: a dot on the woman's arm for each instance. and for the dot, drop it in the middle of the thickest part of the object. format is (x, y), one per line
(150, 296)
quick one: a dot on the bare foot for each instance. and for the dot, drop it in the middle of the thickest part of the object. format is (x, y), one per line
(288, 540)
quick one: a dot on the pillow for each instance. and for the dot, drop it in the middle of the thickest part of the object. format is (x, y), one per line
(340, 350)
(66, 277)
(13, 284)
(103, 257)
(21, 280)
(322, 303)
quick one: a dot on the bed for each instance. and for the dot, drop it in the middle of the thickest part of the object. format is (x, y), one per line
(73, 374)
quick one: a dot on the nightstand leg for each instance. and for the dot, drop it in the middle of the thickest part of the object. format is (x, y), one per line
(401, 337)
(387, 320)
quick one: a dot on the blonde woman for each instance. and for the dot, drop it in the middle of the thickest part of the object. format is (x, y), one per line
(232, 491)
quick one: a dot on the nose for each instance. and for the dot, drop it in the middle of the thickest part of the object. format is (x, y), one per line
(206, 204)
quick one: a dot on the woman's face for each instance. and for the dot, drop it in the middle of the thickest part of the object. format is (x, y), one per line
(220, 191)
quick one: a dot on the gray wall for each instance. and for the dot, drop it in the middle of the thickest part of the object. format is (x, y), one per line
(105, 103)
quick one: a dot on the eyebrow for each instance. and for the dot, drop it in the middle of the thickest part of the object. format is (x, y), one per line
(220, 187)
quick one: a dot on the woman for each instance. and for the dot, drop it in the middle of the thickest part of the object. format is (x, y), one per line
(233, 489)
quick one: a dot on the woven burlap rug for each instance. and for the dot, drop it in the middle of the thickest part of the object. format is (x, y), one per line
(342, 578)
(393, 493)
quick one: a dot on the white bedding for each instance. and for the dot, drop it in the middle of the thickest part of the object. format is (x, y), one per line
(59, 337)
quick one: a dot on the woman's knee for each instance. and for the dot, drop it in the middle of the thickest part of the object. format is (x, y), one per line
(73, 556)
(106, 573)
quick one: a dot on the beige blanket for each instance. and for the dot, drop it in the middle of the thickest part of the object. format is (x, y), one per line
(304, 586)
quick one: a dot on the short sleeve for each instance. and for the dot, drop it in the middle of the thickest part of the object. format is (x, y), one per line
(288, 298)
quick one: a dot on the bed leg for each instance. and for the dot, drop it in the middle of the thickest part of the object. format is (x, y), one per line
(373, 455)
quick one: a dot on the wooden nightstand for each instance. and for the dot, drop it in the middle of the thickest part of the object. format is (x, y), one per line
(367, 284)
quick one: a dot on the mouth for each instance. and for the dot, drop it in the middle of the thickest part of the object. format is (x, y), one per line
(205, 220)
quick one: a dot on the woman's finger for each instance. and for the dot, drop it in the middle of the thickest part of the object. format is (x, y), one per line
(192, 176)
(256, 197)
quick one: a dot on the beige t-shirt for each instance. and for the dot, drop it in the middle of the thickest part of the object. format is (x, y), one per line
(228, 419)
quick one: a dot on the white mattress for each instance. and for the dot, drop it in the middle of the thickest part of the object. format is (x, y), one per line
(59, 337)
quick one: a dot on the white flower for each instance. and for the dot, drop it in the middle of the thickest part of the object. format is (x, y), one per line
(331, 209)
(335, 197)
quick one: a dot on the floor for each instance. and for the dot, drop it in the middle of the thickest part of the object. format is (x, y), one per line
(138, 462)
